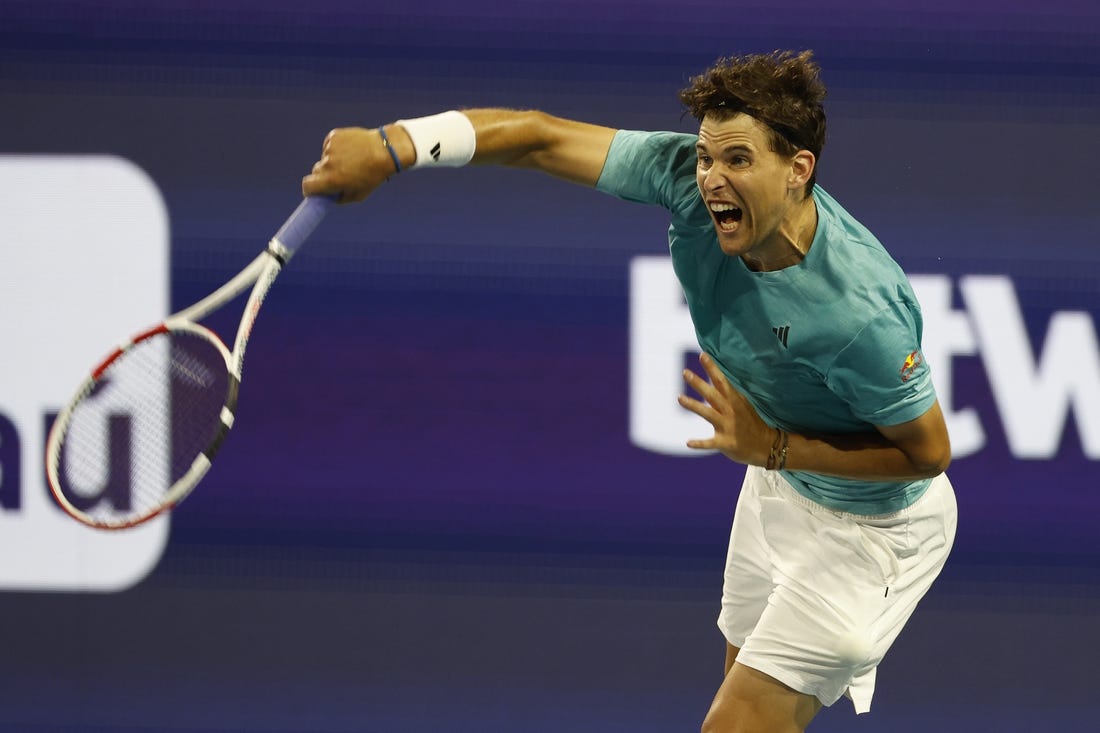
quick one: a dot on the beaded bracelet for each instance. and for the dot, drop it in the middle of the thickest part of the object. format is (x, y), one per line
(777, 457)
(783, 451)
(772, 454)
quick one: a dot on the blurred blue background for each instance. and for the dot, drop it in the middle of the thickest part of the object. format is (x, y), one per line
(430, 515)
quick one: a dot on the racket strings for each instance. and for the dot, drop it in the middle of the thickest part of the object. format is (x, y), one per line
(136, 434)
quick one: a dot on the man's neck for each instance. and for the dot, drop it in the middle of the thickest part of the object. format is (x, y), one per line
(793, 240)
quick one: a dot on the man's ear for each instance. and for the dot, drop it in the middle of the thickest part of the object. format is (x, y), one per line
(802, 167)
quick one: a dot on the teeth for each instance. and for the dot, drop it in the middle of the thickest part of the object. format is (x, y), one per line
(719, 208)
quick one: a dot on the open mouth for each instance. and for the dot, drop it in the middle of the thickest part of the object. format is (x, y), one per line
(727, 217)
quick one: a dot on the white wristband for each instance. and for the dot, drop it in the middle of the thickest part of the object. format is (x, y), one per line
(443, 140)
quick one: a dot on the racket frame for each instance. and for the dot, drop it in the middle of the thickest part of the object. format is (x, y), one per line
(260, 274)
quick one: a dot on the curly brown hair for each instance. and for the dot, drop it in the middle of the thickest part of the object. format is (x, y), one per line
(782, 89)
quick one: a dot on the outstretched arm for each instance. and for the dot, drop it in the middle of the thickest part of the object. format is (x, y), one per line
(355, 161)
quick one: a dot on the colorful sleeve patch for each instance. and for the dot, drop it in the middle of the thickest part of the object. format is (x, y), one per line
(912, 363)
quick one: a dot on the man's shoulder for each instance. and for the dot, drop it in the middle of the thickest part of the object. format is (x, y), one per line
(655, 167)
(630, 147)
(657, 138)
(848, 238)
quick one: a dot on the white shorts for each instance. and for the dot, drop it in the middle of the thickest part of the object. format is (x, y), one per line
(813, 597)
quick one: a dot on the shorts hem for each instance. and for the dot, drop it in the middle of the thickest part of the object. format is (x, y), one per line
(731, 639)
(791, 679)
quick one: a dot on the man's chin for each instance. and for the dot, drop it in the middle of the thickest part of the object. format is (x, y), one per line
(733, 246)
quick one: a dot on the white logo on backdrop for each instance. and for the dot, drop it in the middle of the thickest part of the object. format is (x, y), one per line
(1035, 389)
(86, 259)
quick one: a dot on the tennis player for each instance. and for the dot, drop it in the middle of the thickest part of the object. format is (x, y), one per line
(811, 345)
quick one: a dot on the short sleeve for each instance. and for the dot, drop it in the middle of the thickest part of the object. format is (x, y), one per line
(881, 373)
(651, 168)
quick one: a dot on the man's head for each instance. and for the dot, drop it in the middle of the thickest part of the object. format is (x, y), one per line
(782, 90)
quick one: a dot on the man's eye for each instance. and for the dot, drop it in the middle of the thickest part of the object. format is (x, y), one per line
(739, 160)
(705, 161)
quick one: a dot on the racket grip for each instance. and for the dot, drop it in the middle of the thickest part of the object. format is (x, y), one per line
(296, 230)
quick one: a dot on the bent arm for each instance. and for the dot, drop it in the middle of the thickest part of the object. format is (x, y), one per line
(916, 449)
(355, 161)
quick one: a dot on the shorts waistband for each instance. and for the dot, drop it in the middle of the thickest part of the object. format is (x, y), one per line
(776, 480)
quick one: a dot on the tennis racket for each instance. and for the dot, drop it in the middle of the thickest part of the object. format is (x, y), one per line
(143, 428)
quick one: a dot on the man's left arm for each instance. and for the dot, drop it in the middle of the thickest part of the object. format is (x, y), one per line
(916, 449)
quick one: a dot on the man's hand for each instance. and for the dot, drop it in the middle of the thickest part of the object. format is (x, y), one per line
(739, 433)
(354, 161)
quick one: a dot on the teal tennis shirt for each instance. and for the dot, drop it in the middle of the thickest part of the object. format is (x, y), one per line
(830, 345)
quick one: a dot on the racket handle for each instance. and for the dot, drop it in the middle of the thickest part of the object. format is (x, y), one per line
(294, 233)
